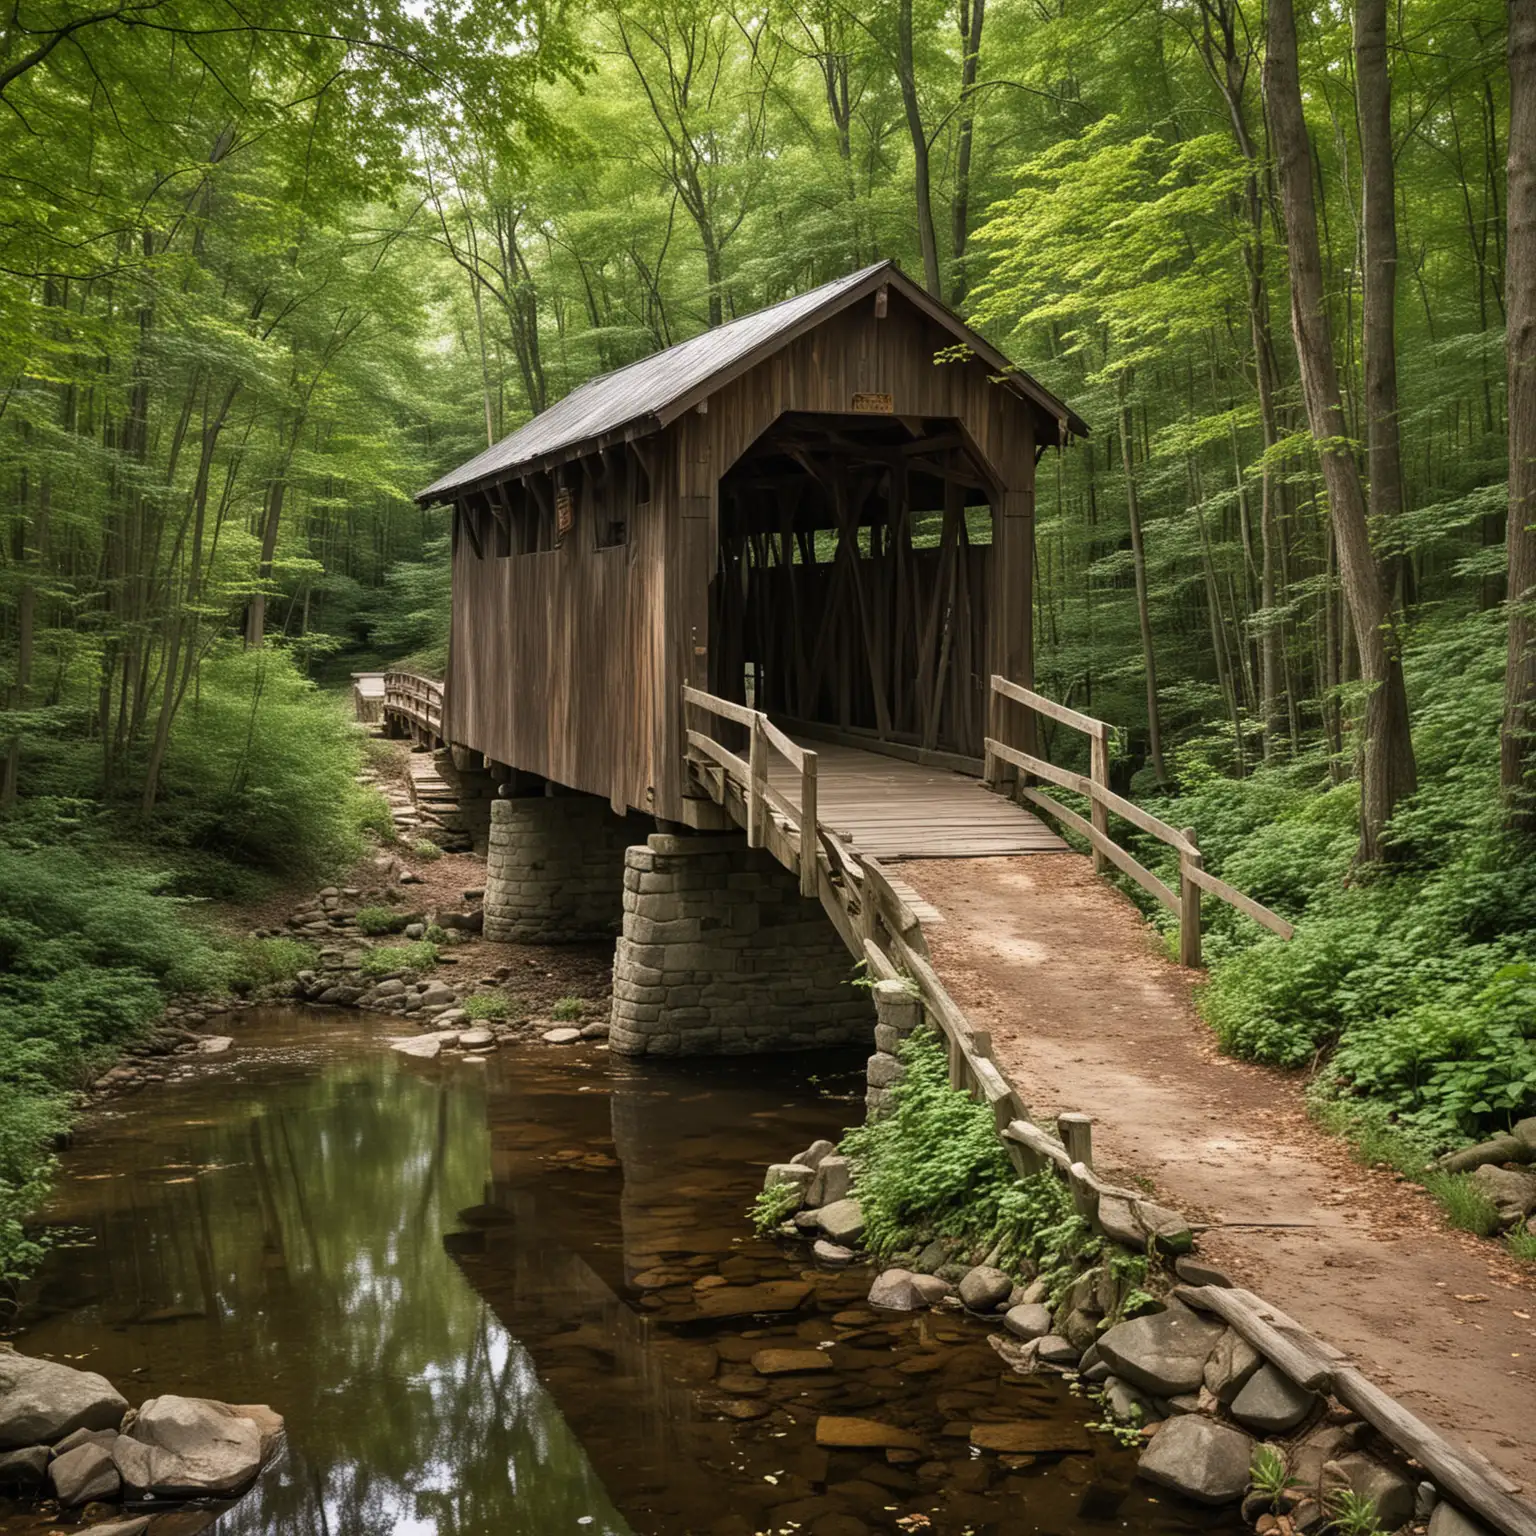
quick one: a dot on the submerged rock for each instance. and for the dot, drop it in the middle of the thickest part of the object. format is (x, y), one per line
(893, 1289)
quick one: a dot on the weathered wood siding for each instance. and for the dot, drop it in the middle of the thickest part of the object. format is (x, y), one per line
(569, 662)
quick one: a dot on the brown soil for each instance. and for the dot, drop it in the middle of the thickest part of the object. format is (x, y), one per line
(1086, 1015)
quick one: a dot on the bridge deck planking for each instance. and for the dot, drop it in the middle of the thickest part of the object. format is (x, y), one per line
(892, 809)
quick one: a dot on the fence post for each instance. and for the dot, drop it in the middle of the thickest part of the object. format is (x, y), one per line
(990, 763)
(1189, 904)
(757, 773)
(809, 842)
(1098, 812)
(1076, 1131)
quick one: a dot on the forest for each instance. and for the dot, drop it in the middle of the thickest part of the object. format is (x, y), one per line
(266, 269)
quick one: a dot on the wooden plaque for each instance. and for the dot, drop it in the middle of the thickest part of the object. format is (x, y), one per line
(878, 405)
(565, 513)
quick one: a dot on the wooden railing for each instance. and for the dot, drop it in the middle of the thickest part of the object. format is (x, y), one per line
(414, 700)
(768, 813)
(1193, 876)
(876, 922)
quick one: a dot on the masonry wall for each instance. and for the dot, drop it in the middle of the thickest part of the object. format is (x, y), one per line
(721, 955)
(555, 868)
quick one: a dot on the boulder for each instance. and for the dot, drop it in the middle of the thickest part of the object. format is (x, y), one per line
(215, 1045)
(1271, 1403)
(135, 1527)
(41, 1402)
(24, 1469)
(424, 1046)
(1028, 1322)
(1055, 1350)
(83, 1474)
(1525, 1131)
(1230, 1366)
(984, 1287)
(477, 1039)
(85, 1437)
(1389, 1490)
(930, 1289)
(1193, 1271)
(1128, 1405)
(788, 1175)
(814, 1154)
(1308, 1459)
(1447, 1520)
(832, 1254)
(197, 1446)
(1506, 1148)
(1117, 1221)
(893, 1290)
(564, 1035)
(1512, 1190)
(1164, 1353)
(843, 1222)
(1198, 1458)
(833, 1180)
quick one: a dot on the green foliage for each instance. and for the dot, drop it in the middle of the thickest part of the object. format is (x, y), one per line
(935, 1162)
(89, 950)
(377, 920)
(260, 963)
(493, 1004)
(568, 1009)
(426, 850)
(393, 959)
(1352, 1514)
(772, 1207)
(262, 767)
(1465, 1205)
(435, 933)
(1522, 1245)
(1269, 1475)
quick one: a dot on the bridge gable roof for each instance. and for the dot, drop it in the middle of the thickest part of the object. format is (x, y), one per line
(645, 396)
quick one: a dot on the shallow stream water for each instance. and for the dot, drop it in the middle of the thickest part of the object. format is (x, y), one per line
(522, 1299)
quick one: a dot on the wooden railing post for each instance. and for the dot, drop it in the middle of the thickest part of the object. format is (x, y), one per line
(1098, 812)
(1189, 904)
(991, 765)
(809, 842)
(1076, 1131)
(757, 778)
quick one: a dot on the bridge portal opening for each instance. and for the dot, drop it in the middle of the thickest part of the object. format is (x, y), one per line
(852, 585)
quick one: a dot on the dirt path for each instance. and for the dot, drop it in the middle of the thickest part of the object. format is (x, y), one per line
(1085, 1014)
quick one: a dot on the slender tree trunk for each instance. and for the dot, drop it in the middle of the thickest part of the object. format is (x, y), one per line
(1387, 769)
(1517, 747)
(972, 14)
(1139, 561)
(1373, 90)
(907, 72)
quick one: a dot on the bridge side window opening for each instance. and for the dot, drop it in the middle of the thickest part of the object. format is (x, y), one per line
(511, 518)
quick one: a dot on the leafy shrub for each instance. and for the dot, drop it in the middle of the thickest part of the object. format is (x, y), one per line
(935, 1162)
(426, 850)
(391, 959)
(774, 1206)
(376, 920)
(261, 768)
(436, 934)
(568, 1009)
(1522, 1245)
(494, 1005)
(258, 963)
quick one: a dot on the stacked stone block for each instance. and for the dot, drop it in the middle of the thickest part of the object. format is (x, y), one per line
(899, 1011)
(555, 869)
(721, 955)
(475, 791)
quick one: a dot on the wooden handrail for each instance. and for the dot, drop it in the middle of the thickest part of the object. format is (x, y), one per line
(750, 776)
(1193, 876)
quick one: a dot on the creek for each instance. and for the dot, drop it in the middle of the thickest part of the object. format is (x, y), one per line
(522, 1298)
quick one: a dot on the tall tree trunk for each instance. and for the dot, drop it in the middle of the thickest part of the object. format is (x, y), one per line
(1387, 770)
(1373, 94)
(1517, 746)
(906, 71)
(1139, 562)
(972, 14)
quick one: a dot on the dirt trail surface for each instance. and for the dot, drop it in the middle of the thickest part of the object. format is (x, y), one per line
(1087, 1015)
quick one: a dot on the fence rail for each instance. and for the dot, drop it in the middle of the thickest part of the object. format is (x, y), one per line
(1102, 800)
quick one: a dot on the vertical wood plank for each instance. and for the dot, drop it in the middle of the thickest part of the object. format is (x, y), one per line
(1076, 1131)
(1099, 814)
(757, 782)
(809, 843)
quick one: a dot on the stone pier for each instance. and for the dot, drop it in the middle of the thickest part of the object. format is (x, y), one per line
(555, 868)
(721, 955)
